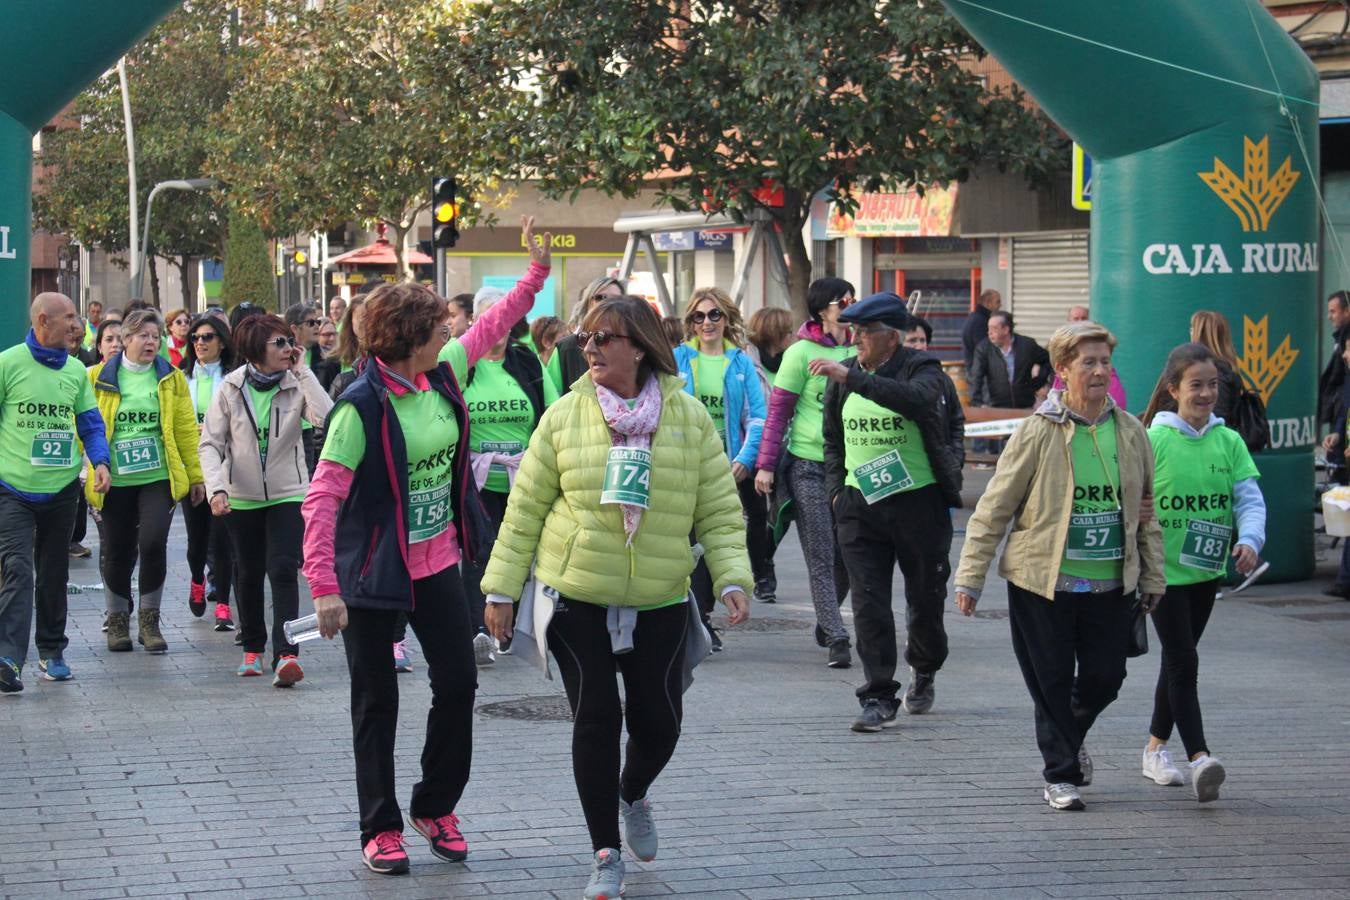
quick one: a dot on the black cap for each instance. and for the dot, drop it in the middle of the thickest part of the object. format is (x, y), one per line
(885, 308)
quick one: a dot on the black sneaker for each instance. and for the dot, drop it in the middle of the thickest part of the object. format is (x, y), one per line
(766, 590)
(716, 639)
(840, 658)
(876, 714)
(11, 682)
(919, 696)
(1338, 590)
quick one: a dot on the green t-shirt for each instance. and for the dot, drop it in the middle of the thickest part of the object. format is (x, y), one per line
(553, 369)
(1096, 544)
(203, 389)
(1193, 495)
(430, 434)
(501, 417)
(804, 438)
(137, 438)
(709, 386)
(39, 447)
(261, 404)
(883, 451)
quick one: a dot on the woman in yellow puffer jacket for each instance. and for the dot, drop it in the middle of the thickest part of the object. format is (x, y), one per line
(617, 475)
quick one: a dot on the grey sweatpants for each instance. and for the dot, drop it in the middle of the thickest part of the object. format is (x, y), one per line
(815, 528)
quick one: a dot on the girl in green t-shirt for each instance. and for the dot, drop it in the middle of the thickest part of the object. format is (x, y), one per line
(1204, 491)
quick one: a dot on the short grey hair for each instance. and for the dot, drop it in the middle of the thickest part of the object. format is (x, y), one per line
(137, 320)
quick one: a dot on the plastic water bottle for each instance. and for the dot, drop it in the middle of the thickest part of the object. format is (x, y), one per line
(298, 631)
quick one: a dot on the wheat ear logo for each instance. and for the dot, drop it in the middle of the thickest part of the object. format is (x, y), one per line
(1255, 196)
(1262, 369)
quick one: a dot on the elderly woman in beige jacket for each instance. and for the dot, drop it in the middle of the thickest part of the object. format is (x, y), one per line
(253, 459)
(1076, 483)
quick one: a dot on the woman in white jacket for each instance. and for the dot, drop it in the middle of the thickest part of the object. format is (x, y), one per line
(256, 476)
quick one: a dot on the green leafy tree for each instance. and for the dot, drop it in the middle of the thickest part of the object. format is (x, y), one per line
(248, 266)
(337, 119)
(718, 98)
(182, 70)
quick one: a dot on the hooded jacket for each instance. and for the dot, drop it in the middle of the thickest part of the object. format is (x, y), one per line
(1032, 489)
(743, 395)
(177, 422)
(912, 384)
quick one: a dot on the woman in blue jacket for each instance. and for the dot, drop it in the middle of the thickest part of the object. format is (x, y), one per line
(723, 377)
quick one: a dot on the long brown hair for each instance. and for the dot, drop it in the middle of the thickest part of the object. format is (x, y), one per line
(1211, 329)
(1178, 361)
(348, 349)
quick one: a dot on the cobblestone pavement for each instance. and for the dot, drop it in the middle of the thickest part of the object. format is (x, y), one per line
(170, 777)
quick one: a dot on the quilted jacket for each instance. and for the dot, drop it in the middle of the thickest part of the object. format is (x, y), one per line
(554, 517)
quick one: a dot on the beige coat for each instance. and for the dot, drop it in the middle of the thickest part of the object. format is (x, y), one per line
(229, 452)
(1033, 489)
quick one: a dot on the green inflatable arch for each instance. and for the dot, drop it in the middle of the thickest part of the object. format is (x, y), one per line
(48, 53)
(1202, 121)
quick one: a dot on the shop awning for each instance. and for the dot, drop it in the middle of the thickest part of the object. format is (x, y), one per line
(380, 253)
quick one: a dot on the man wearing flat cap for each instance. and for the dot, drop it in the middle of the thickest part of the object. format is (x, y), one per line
(892, 475)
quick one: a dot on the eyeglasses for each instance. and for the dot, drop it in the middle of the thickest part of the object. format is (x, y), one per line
(281, 343)
(205, 337)
(712, 315)
(181, 321)
(313, 323)
(601, 338)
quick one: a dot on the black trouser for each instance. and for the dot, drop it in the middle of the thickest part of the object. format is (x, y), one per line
(208, 541)
(1180, 619)
(34, 554)
(913, 529)
(81, 525)
(441, 623)
(1049, 638)
(653, 708)
(758, 538)
(495, 504)
(267, 545)
(136, 524)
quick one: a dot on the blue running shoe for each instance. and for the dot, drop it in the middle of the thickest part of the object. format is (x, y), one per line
(54, 668)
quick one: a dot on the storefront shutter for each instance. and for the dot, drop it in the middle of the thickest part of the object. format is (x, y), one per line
(1049, 275)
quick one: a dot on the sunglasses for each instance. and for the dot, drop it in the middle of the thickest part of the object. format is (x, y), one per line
(712, 315)
(205, 337)
(181, 321)
(601, 338)
(313, 323)
(281, 343)
(843, 302)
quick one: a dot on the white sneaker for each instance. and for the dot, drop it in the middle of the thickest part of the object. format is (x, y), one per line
(482, 649)
(1158, 766)
(1063, 796)
(1206, 775)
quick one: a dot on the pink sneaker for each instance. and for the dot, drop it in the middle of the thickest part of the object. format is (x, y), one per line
(197, 598)
(444, 836)
(223, 621)
(384, 854)
(288, 672)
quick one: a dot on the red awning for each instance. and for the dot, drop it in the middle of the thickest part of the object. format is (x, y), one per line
(380, 253)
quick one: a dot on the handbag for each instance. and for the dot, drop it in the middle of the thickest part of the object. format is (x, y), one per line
(1138, 644)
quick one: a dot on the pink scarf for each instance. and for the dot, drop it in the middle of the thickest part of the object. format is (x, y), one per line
(631, 428)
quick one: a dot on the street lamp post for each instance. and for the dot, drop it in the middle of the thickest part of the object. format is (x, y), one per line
(180, 184)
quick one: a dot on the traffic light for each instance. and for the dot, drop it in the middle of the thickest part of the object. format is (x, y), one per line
(301, 258)
(444, 213)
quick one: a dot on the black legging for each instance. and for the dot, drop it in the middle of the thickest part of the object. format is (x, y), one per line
(1180, 619)
(267, 544)
(136, 523)
(495, 504)
(652, 680)
(208, 540)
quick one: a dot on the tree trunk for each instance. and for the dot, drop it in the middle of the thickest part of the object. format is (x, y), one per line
(791, 217)
(400, 252)
(154, 280)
